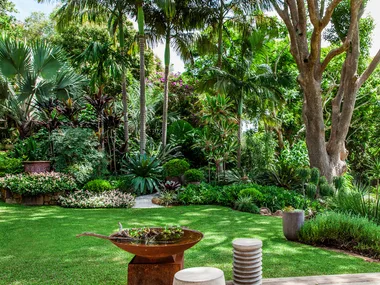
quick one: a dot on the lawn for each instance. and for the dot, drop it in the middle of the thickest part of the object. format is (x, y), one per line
(38, 244)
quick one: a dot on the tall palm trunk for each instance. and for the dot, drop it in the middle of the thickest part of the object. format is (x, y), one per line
(124, 85)
(240, 130)
(220, 34)
(140, 19)
(166, 89)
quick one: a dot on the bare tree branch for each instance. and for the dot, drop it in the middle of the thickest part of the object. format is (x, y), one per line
(313, 13)
(370, 69)
(355, 16)
(329, 11)
(333, 53)
(302, 16)
(293, 12)
(284, 14)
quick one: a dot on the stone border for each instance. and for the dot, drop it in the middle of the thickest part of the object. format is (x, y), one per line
(37, 200)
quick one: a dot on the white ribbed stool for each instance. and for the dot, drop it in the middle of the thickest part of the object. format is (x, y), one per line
(247, 266)
(199, 276)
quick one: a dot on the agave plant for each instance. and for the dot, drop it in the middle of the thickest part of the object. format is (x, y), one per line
(144, 171)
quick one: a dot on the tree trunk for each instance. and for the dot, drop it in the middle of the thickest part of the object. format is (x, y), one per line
(166, 90)
(240, 130)
(125, 112)
(123, 84)
(329, 157)
(142, 80)
(220, 34)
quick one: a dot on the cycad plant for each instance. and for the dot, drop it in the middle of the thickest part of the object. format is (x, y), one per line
(145, 173)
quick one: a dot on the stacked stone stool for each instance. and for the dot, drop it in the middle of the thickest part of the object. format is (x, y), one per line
(199, 276)
(247, 265)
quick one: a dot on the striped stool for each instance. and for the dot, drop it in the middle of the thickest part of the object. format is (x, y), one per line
(247, 265)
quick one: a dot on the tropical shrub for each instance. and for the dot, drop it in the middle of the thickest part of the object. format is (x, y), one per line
(82, 173)
(175, 167)
(9, 165)
(144, 172)
(258, 154)
(255, 195)
(246, 204)
(172, 186)
(108, 199)
(124, 185)
(168, 198)
(194, 175)
(276, 198)
(272, 197)
(34, 148)
(120, 182)
(38, 183)
(313, 184)
(77, 146)
(342, 231)
(98, 185)
(357, 200)
(203, 194)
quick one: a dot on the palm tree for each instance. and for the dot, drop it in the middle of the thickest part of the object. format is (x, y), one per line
(240, 78)
(92, 10)
(221, 13)
(173, 21)
(141, 26)
(32, 73)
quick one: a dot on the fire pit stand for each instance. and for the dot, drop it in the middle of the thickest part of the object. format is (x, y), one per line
(158, 271)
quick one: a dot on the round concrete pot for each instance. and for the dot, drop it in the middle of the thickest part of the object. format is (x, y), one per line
(292, 223)
(36, 166)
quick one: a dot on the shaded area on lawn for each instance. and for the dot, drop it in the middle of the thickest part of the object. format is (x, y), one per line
(38, 245)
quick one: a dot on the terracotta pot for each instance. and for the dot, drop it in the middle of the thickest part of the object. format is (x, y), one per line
(292, 223)
(36, 166)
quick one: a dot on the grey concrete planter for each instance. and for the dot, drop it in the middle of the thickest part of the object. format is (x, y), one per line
(292, 223)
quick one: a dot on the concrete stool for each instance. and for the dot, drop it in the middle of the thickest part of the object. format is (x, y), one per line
(199, 276)
(247, 266)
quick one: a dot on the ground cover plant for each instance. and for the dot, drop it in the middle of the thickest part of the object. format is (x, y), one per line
(54, 255)
(106, 199)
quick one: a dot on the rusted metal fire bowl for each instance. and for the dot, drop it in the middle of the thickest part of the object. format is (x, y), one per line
(188, 240)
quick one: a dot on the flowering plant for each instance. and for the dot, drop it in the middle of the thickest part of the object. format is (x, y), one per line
(107, 199)
(38, 183)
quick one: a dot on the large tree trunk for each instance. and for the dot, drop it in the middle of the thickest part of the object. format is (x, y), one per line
(142, 79)
(166, 90)
(328, 156)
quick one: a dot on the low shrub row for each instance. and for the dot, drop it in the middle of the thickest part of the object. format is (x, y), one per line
(342, 231)
(107, 199)
(9, 165)
(38, 183)
(274, 198)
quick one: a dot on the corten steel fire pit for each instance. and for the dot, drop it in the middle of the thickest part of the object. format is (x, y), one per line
(157, 262)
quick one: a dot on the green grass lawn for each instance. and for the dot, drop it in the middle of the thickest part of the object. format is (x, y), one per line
(38, 244)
